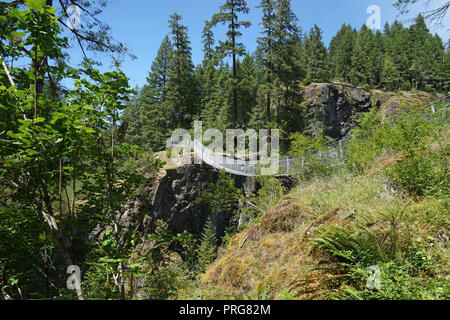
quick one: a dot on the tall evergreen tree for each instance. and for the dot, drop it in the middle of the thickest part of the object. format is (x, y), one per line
(229, 16)
(216, 107)
(397, 42)
(159, 74)
(278, 52)
(421, 66)
(341, 52)
(210, 55)
(316, 56)
(206, 252)
(148, 117)
(268, 47)
(389, 73)
(181, 89)
(248, 87)
(380, 50)
(364, 59)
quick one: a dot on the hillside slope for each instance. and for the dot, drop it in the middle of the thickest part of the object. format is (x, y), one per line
(390, 212)
(274, 258)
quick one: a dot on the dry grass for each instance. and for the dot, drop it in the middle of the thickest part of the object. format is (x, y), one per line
(273, 259)
(391, 101)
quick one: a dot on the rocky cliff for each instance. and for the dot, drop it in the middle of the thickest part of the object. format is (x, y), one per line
(335, 106)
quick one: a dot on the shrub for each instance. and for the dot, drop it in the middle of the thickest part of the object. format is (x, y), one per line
(420, 171)
(270, 193)
(417, 138)
(408, 265)
(367, 142)
(397, 283)
(306, 150)
(222, 196)
(365, 245)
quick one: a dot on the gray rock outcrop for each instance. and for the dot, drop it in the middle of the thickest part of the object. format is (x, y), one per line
(335, 106)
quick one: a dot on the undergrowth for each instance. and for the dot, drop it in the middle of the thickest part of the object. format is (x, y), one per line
(387, 208)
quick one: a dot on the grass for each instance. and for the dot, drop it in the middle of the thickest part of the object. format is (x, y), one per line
(318, 241)
(282, 256)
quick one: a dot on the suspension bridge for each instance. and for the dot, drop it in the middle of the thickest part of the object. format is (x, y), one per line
(331, 154)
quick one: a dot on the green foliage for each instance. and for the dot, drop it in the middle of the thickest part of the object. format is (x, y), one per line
(222, 196)
(364, 57)
(181, 83)
(229, 16)
(163, 271)
(341, 52)
(408, 136)
(366, 144)
(363, 245)
(397, 283)
(405, 262)
(279, 58)
(307, 153)
(70, 164)
(207, 250)
(270, 192)
(51, 147)
(420, 171)
(316, 57)
(148, 115)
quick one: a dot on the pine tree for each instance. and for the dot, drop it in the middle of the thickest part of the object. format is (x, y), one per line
(210, 55)
(228, 16)
(398, 48)
(150, 112)
(289, 66)
(248, 86)
(341, 52)
(436, 58)
(364, 59)
(316, 56)
(154, 120)
(389, 73)
(279, 59)
(216, 107)
(207, 251)
(181, 88)
(158, 76)
(132, 116)
(380, 50)
(268, 48)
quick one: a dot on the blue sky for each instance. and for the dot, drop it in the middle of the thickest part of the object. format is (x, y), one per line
(142, 24)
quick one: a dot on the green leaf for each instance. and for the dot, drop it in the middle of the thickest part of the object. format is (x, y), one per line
(11, 134)
(70, 169)
(31, 152)
(34, 4)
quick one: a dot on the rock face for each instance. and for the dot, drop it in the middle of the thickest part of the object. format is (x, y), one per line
(335, 106)
(175, 195)
(173, 200)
